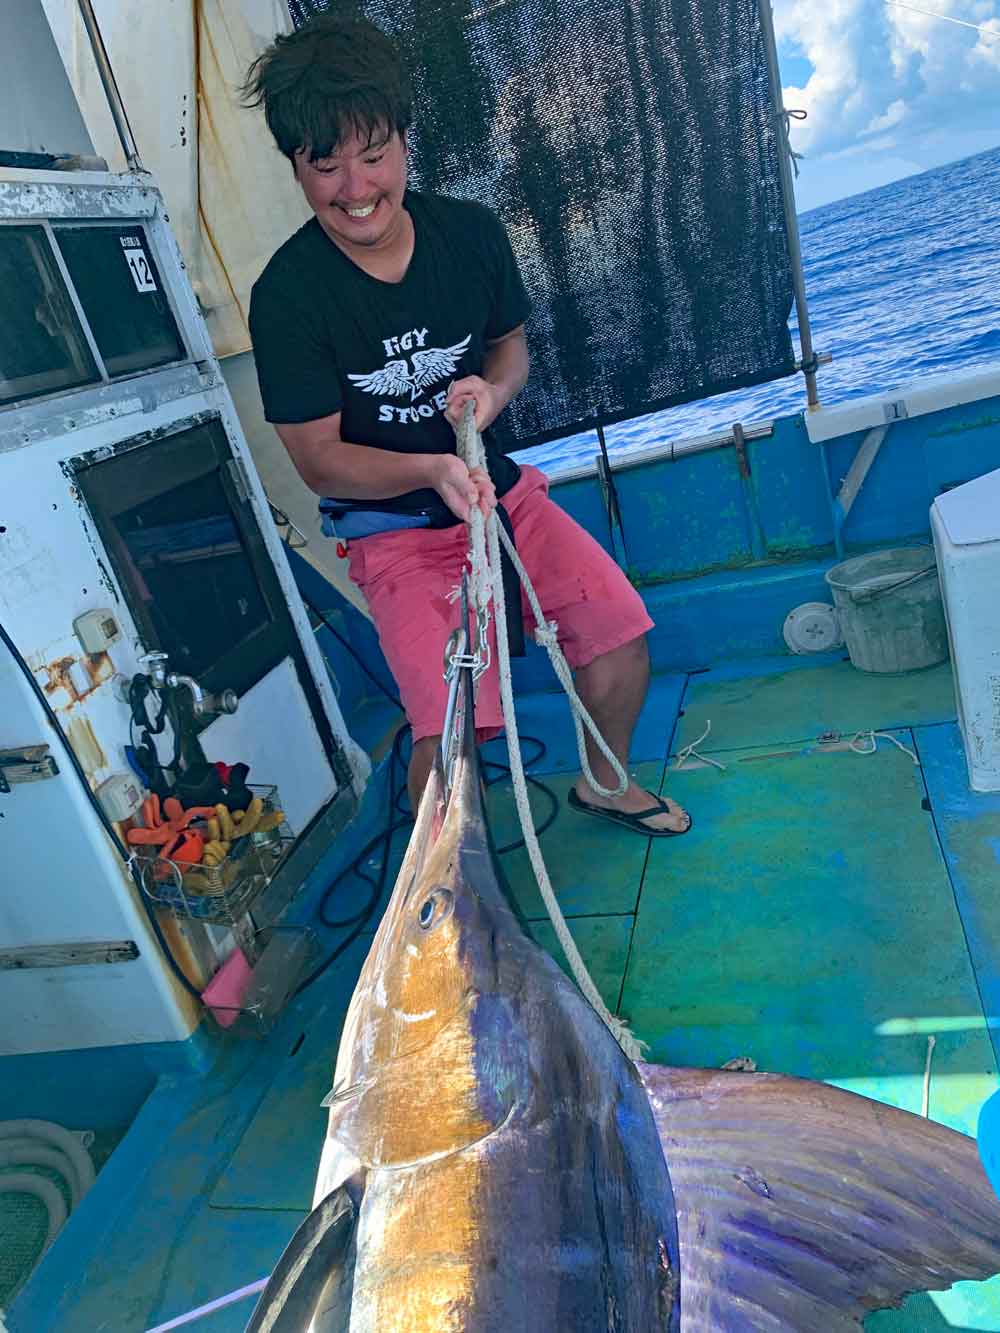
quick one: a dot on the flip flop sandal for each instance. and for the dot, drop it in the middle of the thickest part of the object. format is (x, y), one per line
(632, 821)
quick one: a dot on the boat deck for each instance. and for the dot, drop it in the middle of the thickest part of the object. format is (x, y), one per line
(830, 910)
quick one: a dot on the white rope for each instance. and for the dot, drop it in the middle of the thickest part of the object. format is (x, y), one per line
(866, 742)
(691, 751)
(484, 569)
(219, 1303)
(547, 637)
(785, 117)
(471, 451)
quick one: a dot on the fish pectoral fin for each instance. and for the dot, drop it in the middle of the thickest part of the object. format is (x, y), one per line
(313, 1264)
(805, 1207)
(346, 1094)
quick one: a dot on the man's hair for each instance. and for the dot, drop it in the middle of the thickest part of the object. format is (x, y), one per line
(334, 77)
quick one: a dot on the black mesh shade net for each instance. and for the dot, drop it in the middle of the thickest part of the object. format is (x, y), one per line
(631, 149)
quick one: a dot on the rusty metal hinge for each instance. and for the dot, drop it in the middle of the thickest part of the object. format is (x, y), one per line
(239, 476)
(83, 954)
(742, 457)
(26, 763)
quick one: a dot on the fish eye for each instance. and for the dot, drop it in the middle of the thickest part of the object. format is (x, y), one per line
(435, 907)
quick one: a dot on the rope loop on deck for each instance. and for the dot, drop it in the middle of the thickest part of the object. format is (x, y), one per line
(691, 752)
(866, 742)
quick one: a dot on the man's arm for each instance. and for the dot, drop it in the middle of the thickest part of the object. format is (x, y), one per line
(505, 373)
(331, 466)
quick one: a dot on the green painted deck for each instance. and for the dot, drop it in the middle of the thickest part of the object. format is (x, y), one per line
(827, 913)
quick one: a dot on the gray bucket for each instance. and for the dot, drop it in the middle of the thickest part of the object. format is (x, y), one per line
(890, 609)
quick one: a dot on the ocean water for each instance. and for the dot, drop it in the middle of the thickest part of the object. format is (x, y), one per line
(902, 281)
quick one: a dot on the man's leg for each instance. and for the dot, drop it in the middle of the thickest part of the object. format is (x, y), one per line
(613, 688)
(421, 762)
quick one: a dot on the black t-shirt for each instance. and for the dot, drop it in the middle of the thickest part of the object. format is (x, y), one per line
(329, 338)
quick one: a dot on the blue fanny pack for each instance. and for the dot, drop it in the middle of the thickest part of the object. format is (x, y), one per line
(347, 525)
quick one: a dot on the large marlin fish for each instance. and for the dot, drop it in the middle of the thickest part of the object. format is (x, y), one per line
(494, 1163)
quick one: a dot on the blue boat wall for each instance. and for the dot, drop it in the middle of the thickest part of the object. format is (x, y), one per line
(722, 541)
(725, 542)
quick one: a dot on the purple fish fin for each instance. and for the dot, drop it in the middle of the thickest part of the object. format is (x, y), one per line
(310, 1285)
(801, 1207)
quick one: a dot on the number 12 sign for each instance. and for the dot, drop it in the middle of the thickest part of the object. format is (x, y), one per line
(139, 265)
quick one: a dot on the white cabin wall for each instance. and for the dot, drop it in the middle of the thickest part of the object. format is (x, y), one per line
(61, 883)
(38, 112)
(61, 880)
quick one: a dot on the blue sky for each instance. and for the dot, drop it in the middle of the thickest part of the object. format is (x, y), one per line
(888, 92)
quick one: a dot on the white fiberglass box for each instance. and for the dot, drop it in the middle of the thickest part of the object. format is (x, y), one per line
(966, 527)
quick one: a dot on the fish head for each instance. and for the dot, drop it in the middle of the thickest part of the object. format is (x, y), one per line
(430, 1059)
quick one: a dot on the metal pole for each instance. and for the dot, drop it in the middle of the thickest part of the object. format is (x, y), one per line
(615, 519)
(788, 195)
(115, 103)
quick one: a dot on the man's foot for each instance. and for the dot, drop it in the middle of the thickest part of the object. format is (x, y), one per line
(637, 809)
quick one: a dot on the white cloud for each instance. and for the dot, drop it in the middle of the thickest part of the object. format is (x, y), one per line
(893, 116)
(879, 68)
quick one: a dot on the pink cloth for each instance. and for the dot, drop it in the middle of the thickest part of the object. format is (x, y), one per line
(224, 993)
(406, 577)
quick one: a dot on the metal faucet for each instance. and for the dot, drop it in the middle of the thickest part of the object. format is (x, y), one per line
(156, 669)
(203, 702)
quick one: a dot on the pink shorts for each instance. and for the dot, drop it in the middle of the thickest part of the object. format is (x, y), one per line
(406, 577)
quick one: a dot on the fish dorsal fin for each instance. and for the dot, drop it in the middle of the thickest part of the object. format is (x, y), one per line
(304, 1286)
(801, 1207)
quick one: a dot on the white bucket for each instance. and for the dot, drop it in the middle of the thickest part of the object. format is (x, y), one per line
(890, 609)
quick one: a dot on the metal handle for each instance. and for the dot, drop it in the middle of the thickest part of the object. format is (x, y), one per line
(874, 593)
(226, 701)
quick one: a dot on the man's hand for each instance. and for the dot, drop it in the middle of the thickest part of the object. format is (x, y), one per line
(488, 398)
(461, 488)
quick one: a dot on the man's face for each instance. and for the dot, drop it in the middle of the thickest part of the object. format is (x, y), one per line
(357, 192)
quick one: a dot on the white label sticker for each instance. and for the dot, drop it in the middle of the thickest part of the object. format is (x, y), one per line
(142, 274)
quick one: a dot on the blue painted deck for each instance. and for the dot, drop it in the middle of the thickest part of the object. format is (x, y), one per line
(828, 911)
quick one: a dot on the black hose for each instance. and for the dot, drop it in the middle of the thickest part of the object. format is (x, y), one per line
(361, 918)
(321, 615)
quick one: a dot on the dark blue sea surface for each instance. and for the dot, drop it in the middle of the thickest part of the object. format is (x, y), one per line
(902, 281)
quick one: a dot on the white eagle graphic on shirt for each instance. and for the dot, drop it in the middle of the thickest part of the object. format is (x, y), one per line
(429, 366)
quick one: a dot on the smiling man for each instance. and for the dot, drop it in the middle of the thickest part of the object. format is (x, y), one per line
(372, 327)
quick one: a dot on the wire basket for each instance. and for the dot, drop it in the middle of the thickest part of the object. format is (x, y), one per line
(221, 894)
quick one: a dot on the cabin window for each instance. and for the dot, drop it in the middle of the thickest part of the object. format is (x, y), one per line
(178, 528)
(122, 296)
(42, 344)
